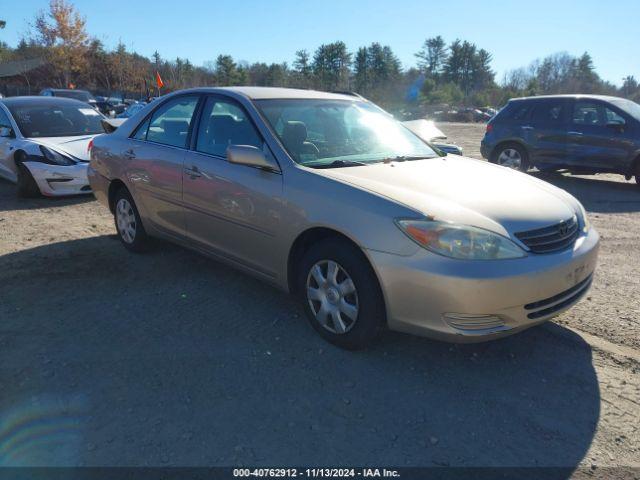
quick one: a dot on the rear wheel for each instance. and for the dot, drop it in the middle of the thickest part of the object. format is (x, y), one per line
(341, 294)
(512, 156)
(27, 186)
(128, 223)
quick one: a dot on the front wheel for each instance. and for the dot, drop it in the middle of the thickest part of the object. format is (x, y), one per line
(128, 223)
(27, 186)
(341, 294)
(512, 156)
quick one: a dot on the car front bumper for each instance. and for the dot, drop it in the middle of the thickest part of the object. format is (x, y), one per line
(470, 301)
(60, 180)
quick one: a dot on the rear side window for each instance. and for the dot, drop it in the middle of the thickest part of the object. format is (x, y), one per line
(550, 112)
(169, 124)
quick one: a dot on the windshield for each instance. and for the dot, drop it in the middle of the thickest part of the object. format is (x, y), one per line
(320, 132)
(75, 94)
(632, 108)
(57, 121)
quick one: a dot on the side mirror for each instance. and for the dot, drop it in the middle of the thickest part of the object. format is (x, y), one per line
(6, 132)
(250, 156)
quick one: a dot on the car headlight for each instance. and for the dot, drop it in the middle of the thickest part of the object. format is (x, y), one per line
(582, 213)
(54, 157)
(460, 241)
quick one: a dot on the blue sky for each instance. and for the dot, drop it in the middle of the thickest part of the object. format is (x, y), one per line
(514, 31)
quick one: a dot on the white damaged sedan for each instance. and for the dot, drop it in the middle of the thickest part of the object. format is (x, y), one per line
(44, 144)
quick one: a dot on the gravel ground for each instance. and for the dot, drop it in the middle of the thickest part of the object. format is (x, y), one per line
(168, 358)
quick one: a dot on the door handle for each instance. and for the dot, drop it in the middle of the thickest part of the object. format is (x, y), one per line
(527, 127)
(193, 172)
(575, 133)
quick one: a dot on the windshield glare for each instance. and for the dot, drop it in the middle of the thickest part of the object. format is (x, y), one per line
(628, 106)
(57, 121)
(320, 132)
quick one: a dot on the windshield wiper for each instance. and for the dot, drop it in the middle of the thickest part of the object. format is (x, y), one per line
(405, 158)
(339, 164)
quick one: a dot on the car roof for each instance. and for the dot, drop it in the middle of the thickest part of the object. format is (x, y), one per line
(607, 98)
(263, 93)
(64, 90)
(41, 100)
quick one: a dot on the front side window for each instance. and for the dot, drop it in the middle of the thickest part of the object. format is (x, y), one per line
(61, 120)
(613, 118)
(4, 119)
(170, 123)
(588, 114)
(224, 123)
(318, 133)
(595, 114)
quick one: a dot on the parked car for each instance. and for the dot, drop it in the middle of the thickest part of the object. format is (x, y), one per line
(131, 110)
(44, 144)
(583, 134)
(328, 197)
(82, 95)
(428, 131)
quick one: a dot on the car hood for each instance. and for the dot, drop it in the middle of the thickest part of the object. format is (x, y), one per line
(74, 146)
(466, 191)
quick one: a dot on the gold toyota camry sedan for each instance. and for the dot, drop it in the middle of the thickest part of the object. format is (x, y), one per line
(328, 197)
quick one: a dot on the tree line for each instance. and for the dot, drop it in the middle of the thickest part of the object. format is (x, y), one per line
(458, 73)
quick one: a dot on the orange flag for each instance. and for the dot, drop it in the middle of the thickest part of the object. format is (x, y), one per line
(159, 81)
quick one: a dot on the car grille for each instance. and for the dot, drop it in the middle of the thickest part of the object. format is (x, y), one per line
(551, 239)
(551, 305)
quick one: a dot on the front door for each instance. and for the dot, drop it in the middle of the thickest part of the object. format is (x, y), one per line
(599, 138)
(232, 210)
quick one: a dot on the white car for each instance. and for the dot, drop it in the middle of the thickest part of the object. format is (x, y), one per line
(44, 144)
(428, 131)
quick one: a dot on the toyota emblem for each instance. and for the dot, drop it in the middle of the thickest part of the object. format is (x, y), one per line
(563, 229)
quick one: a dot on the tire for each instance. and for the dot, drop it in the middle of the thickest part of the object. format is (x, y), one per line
(27, 186)
(129, 226)
(637, 173)
(348, 328)
(511, 155)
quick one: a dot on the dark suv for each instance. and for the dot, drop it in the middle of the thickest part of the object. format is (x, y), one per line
(584, 134)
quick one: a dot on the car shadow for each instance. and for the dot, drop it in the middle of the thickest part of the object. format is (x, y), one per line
(9, 201)
(169, 358)
(597, 194)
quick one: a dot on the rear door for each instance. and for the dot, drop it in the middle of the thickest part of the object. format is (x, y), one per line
(548, 145)
(155, 154)
(230, 209)
(599, 138)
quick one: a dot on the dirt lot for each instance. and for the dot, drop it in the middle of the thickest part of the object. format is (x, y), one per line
(168, 358)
